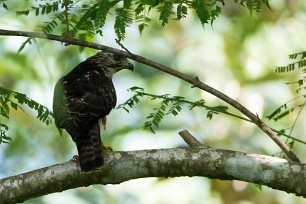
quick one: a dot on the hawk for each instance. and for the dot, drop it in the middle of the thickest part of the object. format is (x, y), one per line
(83, 98)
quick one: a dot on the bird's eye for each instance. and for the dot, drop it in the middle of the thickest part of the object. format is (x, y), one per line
(117, 58)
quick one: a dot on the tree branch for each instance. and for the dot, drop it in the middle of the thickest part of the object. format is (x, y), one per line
(190, 140)
(123, 166)
(192, 80)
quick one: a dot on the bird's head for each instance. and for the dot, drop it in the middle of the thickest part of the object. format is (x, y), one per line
(110, 63)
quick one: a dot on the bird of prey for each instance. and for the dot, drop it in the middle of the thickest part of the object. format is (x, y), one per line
(83, 98)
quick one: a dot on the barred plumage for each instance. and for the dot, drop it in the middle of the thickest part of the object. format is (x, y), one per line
(81, 98)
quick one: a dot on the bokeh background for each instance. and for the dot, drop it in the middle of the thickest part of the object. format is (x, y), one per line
(236, 55)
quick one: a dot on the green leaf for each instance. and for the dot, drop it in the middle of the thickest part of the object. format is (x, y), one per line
(7, 138)
(5, 107)
(215, 13)
(36, 11)
(293, 56)
(135, 98)
(102, 11)
(201, 11)
(155, 123)
(280, 116)
(140, 8)
(3, 126)
(174, 112)
(165, 12)
(14, 105)
(4, 113)
(88, 15)
(181, 11)
(28, 41)
(123, 19)
(60, 131)
(55, 6)
(19, 13)
(127, 3)
(135, 88)
(141, 27)
(43, 10)
(259, 186)
(151, 115)
(49, 8)
(4, 6)
(127, 110)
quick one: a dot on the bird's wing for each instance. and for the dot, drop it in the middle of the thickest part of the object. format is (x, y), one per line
(92, 93)
(88, 98)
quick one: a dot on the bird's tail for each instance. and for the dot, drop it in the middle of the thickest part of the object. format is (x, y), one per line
(90, 149)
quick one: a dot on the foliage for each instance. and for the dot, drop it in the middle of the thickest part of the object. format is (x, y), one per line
(292, 66)
(285, 109)
(172, 105)
(10, 99)
(298, 102)
(254, 5)
(300, 99)
(169, 105)
(83, 19)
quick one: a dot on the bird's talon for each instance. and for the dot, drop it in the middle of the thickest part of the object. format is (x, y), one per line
(75, 158)
(106, 148)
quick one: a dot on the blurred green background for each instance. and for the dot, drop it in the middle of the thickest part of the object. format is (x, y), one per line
(236, 55)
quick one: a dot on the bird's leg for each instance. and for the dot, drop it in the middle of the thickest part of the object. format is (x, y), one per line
(102, 123)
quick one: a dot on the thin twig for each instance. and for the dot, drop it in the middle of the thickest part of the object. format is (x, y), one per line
(189, 102)
(295, 121)
(297, 117)
(190, 139)
(122, 46)
(192, 80)
(280, 133)
(66, 3)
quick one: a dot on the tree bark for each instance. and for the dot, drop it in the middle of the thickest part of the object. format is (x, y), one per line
(202, 161)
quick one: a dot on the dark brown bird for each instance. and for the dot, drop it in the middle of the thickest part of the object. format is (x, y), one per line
(82, 98)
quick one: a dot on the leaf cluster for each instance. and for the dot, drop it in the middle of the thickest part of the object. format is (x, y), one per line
(13, 100)
(173, 105)
(83, 19)
(41, 9)
(169, 105)
(301, 63)
(254, 5)
(298, 103)
(285, 109)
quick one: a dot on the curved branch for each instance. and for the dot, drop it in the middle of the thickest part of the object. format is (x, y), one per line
(192, 80)
(123, 166)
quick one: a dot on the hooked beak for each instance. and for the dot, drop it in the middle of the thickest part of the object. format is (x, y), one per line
(130, 66)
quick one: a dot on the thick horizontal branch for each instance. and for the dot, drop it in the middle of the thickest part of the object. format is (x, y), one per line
(123, 166)
(192, 80)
